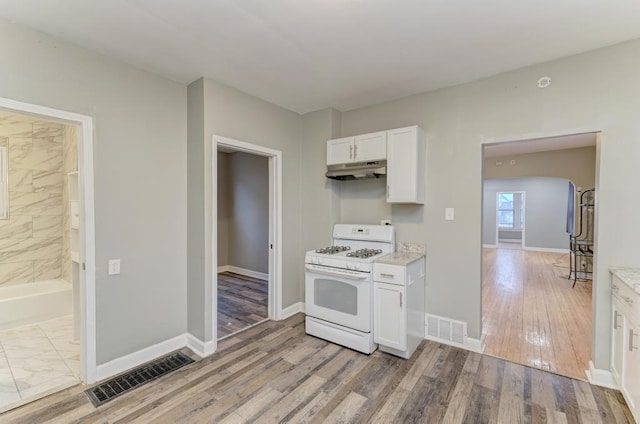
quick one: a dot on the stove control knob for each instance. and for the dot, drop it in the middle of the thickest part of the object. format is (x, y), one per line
(356, 266)
(348, 265)
(319, 262)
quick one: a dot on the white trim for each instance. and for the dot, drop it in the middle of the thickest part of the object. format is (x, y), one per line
(600, 377)
(292, 310)
(132, 360)
(199, 347)
(490, 246)
(275, 223)
(243, 271)
(546, 249)
(471, 344)
(88, 349)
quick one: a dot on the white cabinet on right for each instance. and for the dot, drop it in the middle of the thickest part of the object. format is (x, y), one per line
(406, 157)
(625, 337)
(398, 303)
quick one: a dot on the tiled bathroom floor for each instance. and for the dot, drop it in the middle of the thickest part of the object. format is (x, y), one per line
(36, 360)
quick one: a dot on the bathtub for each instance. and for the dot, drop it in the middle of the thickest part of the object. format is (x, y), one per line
(28, 303)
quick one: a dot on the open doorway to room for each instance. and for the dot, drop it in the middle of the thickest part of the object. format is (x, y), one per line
(247, 227)
(47, 303)
(531, 312)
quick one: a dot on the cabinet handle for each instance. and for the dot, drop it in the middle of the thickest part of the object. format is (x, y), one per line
(388, 191)
(387, 275)
(355, 151)
(615, 320)
(401, 300)
(628, 300)
(631, 346)
(351, 152)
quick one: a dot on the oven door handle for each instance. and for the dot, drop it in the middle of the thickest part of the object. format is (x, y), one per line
(336, 272)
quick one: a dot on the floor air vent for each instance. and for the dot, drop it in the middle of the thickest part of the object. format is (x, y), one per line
(126, 382)
(445, 329)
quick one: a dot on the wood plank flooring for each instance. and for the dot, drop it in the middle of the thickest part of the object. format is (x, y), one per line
(532, 315)
(242, 302)
(273, 372)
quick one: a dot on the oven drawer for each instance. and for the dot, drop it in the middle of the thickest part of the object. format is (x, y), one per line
(392, 274)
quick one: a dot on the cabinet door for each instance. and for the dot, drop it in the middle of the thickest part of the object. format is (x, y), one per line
(340, 150)
(631, 377)
(389, 315)
(617, 343)
(405, 165)
(370, 147)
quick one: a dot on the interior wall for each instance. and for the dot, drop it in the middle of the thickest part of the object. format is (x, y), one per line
(31, 239)
(223, 208)
(577, 165)
(224, 111)
(248, 196)
(140, 124)
(599, 90)
(545, 205)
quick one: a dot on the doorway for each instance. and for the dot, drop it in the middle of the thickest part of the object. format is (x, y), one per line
(247, 231)
(510, 222)
(531, 313)
(48, 238)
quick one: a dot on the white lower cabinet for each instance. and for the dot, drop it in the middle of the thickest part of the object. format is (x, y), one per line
(398, 305)
(625, 343)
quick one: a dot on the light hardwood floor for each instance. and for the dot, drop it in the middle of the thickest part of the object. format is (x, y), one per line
(242, 302)
(532, 315)
(273, 372)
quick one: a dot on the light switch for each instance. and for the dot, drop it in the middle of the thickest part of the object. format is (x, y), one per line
(448, 214)
(114, 266)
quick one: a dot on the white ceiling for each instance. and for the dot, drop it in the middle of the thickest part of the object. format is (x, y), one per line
(513, 148)
(306, 55)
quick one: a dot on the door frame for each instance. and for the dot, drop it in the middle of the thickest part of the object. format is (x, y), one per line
(87, 240)
(522, 206)
(274, 309)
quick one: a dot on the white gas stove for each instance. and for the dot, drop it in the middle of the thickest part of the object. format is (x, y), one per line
(339, 285)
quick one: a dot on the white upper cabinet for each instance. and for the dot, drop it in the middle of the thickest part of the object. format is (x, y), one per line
(406, 156)
(361, 148)
(340, 150)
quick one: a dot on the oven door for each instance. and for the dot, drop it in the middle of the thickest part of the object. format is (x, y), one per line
(339, 296)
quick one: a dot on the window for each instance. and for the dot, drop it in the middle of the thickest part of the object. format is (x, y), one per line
(4, 184)
(510, 211)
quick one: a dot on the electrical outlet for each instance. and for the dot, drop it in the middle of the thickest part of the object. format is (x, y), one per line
(385, 222)
(114, 266)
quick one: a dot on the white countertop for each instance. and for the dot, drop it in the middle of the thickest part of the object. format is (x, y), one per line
(629, 276)
(400, 258)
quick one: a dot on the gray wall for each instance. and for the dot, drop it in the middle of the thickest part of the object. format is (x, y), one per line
(545, 210)
(599, 90)
(223, 208)
(247, 191)
(140, 179)
(577, 165)
(227, 112)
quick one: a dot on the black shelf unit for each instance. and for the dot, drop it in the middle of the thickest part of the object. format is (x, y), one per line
(581, 244)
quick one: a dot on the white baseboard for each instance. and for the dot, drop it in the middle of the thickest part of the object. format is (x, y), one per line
(600, 377)
(490, 246)
(243, 271)
(132, 360)
(471, 344)
(292, 310)
(546, 249)
(199, 347)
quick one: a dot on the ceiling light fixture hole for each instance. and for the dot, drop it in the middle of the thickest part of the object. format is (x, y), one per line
(544, 82)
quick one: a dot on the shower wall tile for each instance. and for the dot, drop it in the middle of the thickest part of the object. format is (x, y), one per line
(35, 204)
(47, 269)
(20, 180)
(30, 249)
(47, 226)
(33, 236)
(17, 272)
(37, 159)
(16, 228)
(47, 181)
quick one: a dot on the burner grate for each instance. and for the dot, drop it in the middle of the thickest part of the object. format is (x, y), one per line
(364, 253)
(128, 381)
(331, 250)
